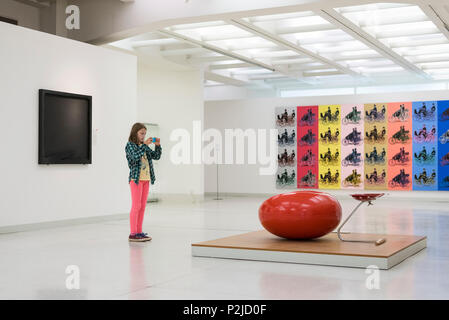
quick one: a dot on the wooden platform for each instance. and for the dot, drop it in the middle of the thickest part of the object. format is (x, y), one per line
(328, 250)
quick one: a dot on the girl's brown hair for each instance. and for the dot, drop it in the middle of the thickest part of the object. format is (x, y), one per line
(133, 135)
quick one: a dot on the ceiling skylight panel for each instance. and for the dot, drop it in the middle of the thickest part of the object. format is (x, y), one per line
(280, 16)
(299, 22)
(258, 53)
(371, 7)
(307, 65)
(250, 71)
(208, 33)
(336, 47)
(438, 71)
(335, 77)
(357, 52)
(391, 22)
(316, 35)
(418, 40)
(441, 77)
(291, 61)
(197, 25)
(406, 32)
(370, 70)
(322, 70)
(368, 63)
(428, 57)
(371, 15)
(273, 75)
(246, 43)
(231, 61)
(368, 55)
(291, 24)
(342, 37)
(423, 50)
(403, 28)
(433, 65)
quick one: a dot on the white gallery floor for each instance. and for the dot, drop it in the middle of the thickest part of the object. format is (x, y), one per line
(33, 263)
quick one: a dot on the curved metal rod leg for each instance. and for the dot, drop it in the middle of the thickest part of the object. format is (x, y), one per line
(376, 242)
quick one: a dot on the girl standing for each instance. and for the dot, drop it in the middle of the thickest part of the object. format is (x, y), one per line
(139, 157)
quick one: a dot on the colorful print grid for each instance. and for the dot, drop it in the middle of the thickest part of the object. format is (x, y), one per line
(375, 146)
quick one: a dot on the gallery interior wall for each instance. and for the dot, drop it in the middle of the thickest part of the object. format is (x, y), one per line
(172, 99)
(33, 193)
(258, 114)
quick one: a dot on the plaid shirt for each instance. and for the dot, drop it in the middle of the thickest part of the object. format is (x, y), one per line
(134, 154)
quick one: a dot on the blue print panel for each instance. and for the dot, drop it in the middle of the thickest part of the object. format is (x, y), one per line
(443, 145)
(425, 145)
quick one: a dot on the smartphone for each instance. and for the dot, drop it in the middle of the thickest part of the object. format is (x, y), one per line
(154, 139)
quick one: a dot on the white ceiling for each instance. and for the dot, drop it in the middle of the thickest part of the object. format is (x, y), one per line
(380, 43)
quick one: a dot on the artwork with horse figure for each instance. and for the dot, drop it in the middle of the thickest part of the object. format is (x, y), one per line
(352, 129)
(307, 147)
(443, 145)
(329, 146)
(285, 120)
(372, 146)
(375, 146)
(425, 144)
(399, 146)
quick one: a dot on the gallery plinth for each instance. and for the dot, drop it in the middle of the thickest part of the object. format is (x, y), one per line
(327, 250)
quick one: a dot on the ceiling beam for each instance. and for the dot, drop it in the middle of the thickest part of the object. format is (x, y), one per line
(348, 26)
(435, 17)
(268, 76)
(229, 66)
(207, 59)
(289, 45)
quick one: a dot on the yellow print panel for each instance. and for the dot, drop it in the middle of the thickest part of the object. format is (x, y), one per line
(329, 146)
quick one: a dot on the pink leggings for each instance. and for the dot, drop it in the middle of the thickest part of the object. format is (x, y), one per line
(139, 194)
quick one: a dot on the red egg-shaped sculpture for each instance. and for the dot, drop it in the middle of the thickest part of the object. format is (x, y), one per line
(300, 214)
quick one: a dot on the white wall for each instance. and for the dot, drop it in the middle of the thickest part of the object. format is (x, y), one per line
(173, 99)
(27, 16)
(32, 193)
(259, 114)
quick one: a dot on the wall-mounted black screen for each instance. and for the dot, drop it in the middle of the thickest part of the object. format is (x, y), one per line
(65, 126)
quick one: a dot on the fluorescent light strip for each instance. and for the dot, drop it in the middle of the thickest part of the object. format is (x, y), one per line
(281, 16)
(371, 7)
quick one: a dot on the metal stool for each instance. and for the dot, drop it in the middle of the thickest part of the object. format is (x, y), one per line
(366, 197)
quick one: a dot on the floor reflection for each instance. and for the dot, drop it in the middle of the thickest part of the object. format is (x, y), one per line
(137, 269)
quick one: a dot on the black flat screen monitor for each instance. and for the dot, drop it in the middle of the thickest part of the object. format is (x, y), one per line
(65, 127)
